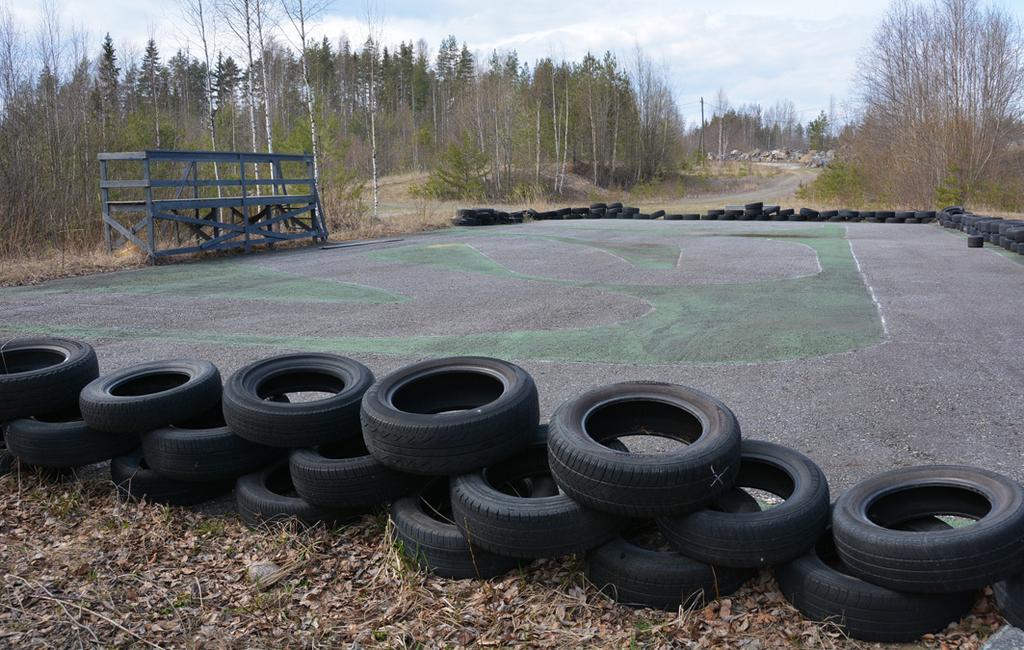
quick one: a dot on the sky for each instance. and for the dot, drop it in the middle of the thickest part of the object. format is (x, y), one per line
(756, 50)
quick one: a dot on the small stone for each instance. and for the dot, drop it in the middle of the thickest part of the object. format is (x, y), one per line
(258, 571)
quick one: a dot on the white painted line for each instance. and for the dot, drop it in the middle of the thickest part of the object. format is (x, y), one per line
(871, 290)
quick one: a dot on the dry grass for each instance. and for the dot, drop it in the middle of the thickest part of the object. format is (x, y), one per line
(50, 264)
(80, 568)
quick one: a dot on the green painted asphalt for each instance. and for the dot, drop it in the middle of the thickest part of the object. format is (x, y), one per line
(219, 279)
(825, 313)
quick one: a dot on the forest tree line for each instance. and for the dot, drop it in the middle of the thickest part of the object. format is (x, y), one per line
(252, 79)
(939, 109)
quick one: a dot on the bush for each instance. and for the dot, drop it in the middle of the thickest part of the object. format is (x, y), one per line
(460, 173)
(840, 182)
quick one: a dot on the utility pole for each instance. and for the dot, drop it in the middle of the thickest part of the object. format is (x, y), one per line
(701, 130)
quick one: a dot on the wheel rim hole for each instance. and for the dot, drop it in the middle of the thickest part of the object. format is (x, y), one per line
(769, 485)
(72, 415)
(527, 477)
(15, 361)
(298, 387)
(954, 504)
(213, 418)
(436, 503)
(644, 426)
(353, 448)
(149, 384)
(447, 392)
(648, 536)
(279, 481)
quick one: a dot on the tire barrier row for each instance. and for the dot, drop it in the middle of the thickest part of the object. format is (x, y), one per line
(478, 487)
(1006, 233)
(749, 212)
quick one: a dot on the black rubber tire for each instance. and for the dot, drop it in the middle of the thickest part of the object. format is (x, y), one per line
(150, 395)
(673, 217)
(691, 217)
(640, 577)
(764, 538)
(438, 545)
(1010, 598)
(975, 241)
(268, 497)
(134, 479)
(61, 442)
(644, 485)
(251, 414)
(634, 574)
(43, 376)
(450, 416)
(820, 587)
(204, 450)
(657, 214)
(345, 475)
(960, 559)
(7, 461)
(525, 525)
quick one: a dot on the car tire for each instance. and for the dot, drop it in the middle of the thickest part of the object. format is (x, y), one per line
(345, 475)
(766, 537)
(134, 479)
(268, 497)
(43, 376)
(250, 411)
(64, 441)
(450, 416)
(953, 560)
(823, 590)
(636, 574)
(151, 395)
(1010, 598)
(644, 485)
(423, 526)
(204, 450)
(525, 525)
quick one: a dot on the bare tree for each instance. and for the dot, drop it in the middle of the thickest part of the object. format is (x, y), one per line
(240, 16)
(302, 14)
(196, 16)
(374, 29)
(264, 17)
(943, 93)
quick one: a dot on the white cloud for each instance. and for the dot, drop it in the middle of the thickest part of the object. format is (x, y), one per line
(804, 50)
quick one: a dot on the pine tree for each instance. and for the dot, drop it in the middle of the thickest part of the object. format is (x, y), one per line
(109, 79)
(152, 77)
(817, 132)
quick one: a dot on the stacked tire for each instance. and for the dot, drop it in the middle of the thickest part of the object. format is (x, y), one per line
(890, 569)
(319, 473)
(981, 229)
(40, 382)
(692, 534)
(183, 453)
(469, 427)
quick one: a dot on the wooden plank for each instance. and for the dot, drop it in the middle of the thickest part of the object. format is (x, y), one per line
(122, 184)
(217, 156)
(122, 155)
(127, 234)
(232, 201)
(203, 223)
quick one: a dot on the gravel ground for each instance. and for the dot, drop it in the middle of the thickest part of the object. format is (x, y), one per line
(943, 384)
